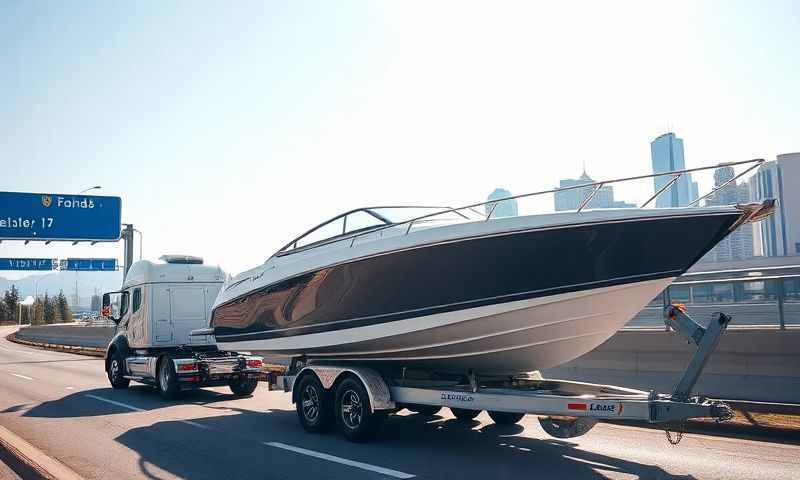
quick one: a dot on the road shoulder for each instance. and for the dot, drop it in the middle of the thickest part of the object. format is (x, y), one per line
(32, 462)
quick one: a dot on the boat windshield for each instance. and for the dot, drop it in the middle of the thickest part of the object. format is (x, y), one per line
(365, 219)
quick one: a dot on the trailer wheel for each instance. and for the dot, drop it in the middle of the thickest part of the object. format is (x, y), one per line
(314, 405)
(354, 416)
(505, 418)
(464, 414)
(567, 427)
(116, 372)
(243, 386)
(427, 410)
(167, 379)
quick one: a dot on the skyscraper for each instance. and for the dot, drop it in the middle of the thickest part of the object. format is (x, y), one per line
(666, 153)
(571, 199)
(790, 198)
(506, 208)
(778, 234)
(739, 244)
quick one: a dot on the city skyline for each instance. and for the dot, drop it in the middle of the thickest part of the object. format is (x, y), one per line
(572, 198)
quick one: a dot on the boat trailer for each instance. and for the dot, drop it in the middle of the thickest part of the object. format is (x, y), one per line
(356, 398)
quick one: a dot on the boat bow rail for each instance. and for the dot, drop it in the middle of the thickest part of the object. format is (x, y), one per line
(751, 212)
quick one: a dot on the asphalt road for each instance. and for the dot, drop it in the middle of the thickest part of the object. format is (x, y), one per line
(62, 404)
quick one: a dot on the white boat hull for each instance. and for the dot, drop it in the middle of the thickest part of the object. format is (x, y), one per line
(508, 337)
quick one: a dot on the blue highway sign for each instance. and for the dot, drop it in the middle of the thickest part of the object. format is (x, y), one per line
(89, 264)
(52, 216)
(27, 264)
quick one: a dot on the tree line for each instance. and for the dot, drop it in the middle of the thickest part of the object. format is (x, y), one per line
(45, 310)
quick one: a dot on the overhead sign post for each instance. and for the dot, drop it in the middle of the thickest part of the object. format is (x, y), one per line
(28, 263)
(53, 217)
(89, 264)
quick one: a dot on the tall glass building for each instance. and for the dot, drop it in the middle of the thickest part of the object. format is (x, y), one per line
(506, 208)
(778, 234)
(666, 153)
(572, 199)
(739, 244)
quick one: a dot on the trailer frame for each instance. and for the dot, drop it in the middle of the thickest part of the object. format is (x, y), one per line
(569, 408)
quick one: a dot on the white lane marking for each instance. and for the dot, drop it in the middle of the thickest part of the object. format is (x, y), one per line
(137, 409)
(21, 376)
(195, 424)
(119, 404)
(343, 461)
(70, 388)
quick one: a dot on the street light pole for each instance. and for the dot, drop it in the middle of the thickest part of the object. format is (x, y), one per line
(96, 187)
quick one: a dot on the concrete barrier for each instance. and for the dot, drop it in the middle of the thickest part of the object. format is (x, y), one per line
(73, 335)
(749, 364)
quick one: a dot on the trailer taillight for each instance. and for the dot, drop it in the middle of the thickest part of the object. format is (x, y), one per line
(254, 363)
(187, 367)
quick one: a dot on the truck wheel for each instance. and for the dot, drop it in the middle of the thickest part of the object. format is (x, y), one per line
(354, 417)
(168, 379)
(243, 386)
(464, 414)
(427, 410)
(314, 405)
(506, 418)
(116, 370)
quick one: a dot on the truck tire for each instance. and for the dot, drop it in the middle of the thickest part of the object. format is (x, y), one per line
(167, 380)
(116, 371)
(354, 415)
(427, 410)
(314, 405)
(505, 418)
(464, 414)
(243, 386)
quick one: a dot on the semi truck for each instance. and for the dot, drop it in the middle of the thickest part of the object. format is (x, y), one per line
(155, 311)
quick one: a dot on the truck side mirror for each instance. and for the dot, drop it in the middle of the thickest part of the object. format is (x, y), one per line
(114, 305)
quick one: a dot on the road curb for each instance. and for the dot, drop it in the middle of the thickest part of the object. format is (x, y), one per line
(91, 351)
(46, 466)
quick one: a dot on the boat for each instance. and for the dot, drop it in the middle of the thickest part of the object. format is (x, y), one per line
(454, 290)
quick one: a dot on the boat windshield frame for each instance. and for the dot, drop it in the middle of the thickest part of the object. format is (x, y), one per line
(493, 203)
(292, 247)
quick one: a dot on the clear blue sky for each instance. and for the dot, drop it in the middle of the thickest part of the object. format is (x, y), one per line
(228, 128)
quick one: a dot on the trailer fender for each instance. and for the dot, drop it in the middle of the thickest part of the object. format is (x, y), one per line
(377, 389)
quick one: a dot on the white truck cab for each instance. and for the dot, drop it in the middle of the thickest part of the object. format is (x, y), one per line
(156, 310)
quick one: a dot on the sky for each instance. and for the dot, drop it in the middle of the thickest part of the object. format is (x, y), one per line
(230, 128)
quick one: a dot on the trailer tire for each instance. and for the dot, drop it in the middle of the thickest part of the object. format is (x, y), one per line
(116, 372)
(354, 415)
(505, 418)
(243, 386)
(314, 405)
(567, 427)
(464, 414)
(427, 410)
(167, 379)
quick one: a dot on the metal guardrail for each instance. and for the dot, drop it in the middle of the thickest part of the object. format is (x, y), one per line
(775, 304)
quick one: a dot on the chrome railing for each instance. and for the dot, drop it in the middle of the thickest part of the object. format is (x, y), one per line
(596, 188)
